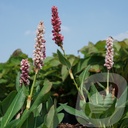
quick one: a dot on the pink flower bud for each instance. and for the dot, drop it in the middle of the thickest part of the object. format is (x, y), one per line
(57, 37)
(39, 52)
(109, 53)
(24, 77)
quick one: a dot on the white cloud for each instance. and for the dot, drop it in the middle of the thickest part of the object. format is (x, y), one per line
(29, 32)
(121, 36)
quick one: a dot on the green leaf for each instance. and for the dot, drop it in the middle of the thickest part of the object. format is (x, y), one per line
(83, 76)
(117, 46)
(42, 126)
(108, 100)
(44, 90)
(43, 112)
(49, 103)
(59, 108)
(124, 123)
(95, 97)
(100, 85)
(49, 73)
(120, 107)
(50, 118)
(96, 110)
(7, 102)
(15, 106)
(100, 45)
(82, 121)
(25, 90)
(41, 98)
(86, 109)
(24, 117)
(13, 123)
(53, 118)
(60, 117)
(63, 60)
(30, 122)
(123, 98)
(64, 72)
(109, 109)
(74, 111)
(73, 60)
(95, 68)
(17, 82)
(88, 50)
(3, 81)
(82, 64)
(52, 61)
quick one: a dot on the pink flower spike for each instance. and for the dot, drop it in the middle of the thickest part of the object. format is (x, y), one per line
(24, 77)
(55, 21)
(109, 53)
(39, 52)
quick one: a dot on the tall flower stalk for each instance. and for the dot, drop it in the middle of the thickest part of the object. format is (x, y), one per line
(58, 38)
(109, 59)
(38, 57)
(56, 23)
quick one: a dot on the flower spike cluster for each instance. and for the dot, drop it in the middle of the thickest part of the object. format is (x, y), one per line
(109, 53)
(39, 52)
(24, 77)
(57, 36)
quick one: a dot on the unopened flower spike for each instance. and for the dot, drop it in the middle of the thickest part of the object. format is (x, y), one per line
(24, 77)
(56, 23)
(109, 59)
(109, 53)
(39, 52)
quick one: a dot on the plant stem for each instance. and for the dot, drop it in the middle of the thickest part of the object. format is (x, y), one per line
(34, 81)
(63, 50)
(55, 103)
(72, 77)
(31, 92)
(107, 89)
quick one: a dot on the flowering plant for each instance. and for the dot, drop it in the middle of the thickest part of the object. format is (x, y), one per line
(93, 108)
(31, 105)
(97, 104)
(34, 102)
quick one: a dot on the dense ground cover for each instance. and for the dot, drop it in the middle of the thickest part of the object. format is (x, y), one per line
(63, 89)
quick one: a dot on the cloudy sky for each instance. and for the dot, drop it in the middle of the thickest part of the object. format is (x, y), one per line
(82, 21)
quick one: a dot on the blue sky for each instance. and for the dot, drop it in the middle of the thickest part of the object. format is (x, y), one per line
(82, 21)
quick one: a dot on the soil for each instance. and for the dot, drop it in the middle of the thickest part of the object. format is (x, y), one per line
(69, 121)
(66, 125)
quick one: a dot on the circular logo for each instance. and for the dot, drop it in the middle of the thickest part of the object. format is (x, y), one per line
(99, 108)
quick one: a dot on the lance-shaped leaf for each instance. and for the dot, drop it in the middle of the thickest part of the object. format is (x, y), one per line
(15, 106)
(6, 102)
(42, 97)
(63, 60)
(51, 118)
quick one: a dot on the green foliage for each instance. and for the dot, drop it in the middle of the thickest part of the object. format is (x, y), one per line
(43, 112)
(94, 54)
(8, 73)
(99, 111)
(14, 107)
(63, 60)
(55, 83)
